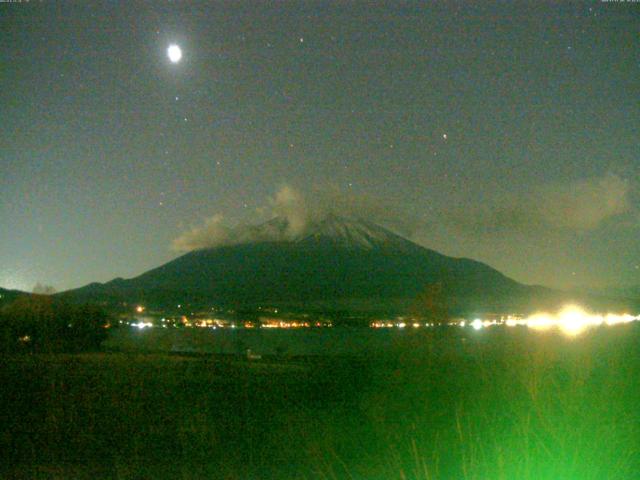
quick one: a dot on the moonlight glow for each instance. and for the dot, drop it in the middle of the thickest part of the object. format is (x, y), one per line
(174, 52)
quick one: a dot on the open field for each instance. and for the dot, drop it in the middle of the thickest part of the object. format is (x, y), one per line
(499, 404)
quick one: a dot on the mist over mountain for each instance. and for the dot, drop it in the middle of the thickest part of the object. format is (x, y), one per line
(336, 263)
(296, 214)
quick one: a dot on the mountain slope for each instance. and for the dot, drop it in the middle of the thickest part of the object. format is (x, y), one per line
(333, 263)
(8, 296)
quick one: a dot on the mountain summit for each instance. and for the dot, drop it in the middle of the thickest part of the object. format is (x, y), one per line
(353, 234)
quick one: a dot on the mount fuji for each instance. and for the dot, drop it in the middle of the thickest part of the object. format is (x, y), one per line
(336, 263)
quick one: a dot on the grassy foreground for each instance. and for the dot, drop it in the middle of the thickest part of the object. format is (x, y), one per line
(493, 405)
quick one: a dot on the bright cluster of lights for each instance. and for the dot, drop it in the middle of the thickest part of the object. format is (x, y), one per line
(142, 325)
(571, 320)
(216, 323)
(285, 324)
(398, 324)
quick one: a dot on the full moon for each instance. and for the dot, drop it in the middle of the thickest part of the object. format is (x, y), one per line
(175, 53)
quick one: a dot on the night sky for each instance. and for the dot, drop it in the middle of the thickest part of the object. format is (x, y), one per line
(505, 133)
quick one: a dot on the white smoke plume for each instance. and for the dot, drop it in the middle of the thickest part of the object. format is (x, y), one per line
(555, 207)
(40, 289)
(579, 206)
(584, 205)
(212, 233)
(290, 204)
(300, 210)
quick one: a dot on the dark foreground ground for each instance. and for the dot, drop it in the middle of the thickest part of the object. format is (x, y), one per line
(497, 405)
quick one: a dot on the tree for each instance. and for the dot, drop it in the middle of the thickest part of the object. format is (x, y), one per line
(432, 304)
(43, 324)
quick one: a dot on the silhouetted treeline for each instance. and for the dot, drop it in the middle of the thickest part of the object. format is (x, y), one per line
(39, 323)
